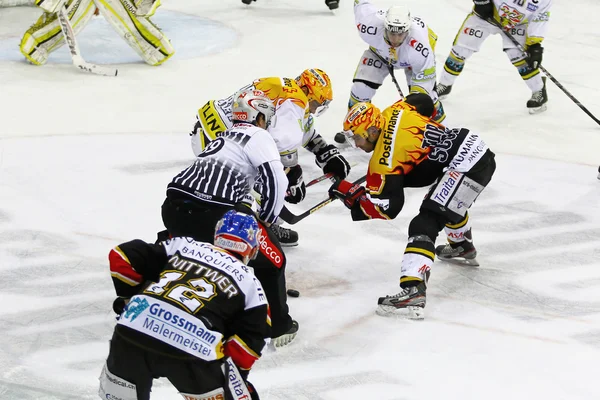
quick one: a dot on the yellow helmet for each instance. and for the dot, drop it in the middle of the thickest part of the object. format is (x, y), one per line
(318, 84)
(361, 117)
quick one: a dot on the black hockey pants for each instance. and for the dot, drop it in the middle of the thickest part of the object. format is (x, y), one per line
(140, 366)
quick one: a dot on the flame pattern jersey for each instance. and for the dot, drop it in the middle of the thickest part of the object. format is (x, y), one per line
(412, 151)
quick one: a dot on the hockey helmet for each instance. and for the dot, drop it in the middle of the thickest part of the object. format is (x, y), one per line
(239, 233)
(319, 88)
(397, 23)
(397, 19)
(360, 118)
(249, 103)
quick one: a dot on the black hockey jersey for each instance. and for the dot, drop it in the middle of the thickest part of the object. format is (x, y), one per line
(190, 299)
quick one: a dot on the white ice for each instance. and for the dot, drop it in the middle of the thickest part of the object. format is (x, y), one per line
(84, 162)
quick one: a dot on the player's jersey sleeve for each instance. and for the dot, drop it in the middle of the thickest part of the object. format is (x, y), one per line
(538, 24)
(264, 156)
(288, 129)
(369, 22)
(291, 105)
(421, 58)
(397, 152)
(132, 263)
(250, 328)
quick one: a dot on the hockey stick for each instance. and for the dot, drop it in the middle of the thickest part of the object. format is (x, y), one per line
(320, 179)
(292, 219)
(544, 70)
(391, 71)
(78, 61)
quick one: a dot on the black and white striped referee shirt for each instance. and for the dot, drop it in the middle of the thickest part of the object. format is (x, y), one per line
(230, 165)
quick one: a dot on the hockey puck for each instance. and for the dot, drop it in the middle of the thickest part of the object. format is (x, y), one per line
(293, 293)
(340, 137)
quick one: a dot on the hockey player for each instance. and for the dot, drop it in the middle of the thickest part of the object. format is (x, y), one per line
(526, 21)
(222, 177)
(410, 150)
(332, 4)
(398, 41)
(194, 311)
(130, 18)
(297, 102)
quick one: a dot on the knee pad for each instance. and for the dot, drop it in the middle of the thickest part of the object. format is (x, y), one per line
(139, 32)
(362, 91)
(517, 58)
(456, 60)
(426, 223)
(45, 36)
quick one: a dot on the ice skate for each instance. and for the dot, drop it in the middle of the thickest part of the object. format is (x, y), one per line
(410, 303)
(247, 1)
(462, 253)
(443, 90)
(537, 103)
(287, 237)
(287, 337)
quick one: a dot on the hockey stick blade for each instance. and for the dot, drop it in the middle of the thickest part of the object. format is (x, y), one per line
(292, 219)
(78, 61)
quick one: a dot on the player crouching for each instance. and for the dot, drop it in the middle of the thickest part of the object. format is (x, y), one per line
(131, 20)
(195, 314)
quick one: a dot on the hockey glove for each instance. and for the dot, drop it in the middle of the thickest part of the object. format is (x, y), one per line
(534, 55)
(119, 305)
(329, 159)
(484, 8)
(347, 192)
(296, 187)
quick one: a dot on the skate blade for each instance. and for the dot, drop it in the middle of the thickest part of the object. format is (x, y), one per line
(469, 262)
(410, 312)
(443, 97)
(537, 110)
(288, 244)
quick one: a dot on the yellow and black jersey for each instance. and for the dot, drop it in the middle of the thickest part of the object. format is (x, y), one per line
(412, 151)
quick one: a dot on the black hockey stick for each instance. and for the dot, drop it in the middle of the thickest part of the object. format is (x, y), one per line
(391, 70)
(292, 219)
(544, 70)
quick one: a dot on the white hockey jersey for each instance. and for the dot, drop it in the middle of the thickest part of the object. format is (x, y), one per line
(228, 167)
(534, 13)
(415, 54)
(292, 127)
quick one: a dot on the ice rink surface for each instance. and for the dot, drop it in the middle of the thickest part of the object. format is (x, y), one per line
(85, 160)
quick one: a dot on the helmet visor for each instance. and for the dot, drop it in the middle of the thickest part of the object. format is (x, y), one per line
(321, 107)
(395, 38)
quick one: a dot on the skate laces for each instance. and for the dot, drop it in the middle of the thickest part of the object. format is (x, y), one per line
(404, 293)
(538, 96)
(281, 232)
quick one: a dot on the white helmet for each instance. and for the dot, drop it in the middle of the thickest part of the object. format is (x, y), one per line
(397, 19)
(249, 103)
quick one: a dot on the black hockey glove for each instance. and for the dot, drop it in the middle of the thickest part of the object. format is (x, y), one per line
(296, 188)
(119, 305)
(329, 159)
(484, 8)
(534, 55)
